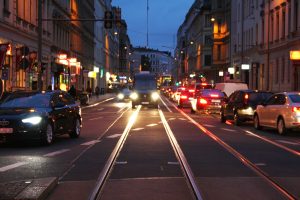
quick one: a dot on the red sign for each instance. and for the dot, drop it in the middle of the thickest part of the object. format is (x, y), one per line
(3, 49)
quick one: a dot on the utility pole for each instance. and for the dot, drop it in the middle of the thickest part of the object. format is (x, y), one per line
(147, 23)
(40, 32)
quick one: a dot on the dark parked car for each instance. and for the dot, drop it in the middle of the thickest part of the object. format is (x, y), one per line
(207, 100)
(39, 116)
(241, 105)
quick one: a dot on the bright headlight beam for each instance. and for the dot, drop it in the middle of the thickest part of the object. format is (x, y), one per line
(155, 96)
(32, 120)
(134, 95)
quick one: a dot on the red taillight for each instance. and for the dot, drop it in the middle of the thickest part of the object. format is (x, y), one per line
(203, 83)
(214, 95)
(296, 109)
(183, 97)
(246, 97)
(202, 101)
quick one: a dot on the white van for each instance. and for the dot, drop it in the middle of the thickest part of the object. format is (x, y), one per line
(229, 88)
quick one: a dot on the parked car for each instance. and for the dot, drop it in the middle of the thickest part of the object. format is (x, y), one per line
(39, 116)
(241, 104)
(207, 100)
(281, 111)
(229, 87)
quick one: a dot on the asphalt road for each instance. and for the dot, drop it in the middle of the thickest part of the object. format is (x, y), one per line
(228, 162)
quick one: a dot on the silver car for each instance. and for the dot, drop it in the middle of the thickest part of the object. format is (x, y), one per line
(280, 111)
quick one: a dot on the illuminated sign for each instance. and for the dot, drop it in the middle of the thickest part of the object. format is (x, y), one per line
(96, 69)
(92, 74)
(245, 66)
(221, 73)
(231, 70)
(295, 55)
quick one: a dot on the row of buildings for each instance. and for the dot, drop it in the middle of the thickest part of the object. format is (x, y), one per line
(253, 41)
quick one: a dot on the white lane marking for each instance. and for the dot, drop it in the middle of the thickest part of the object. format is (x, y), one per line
(137, 129)
(8, 167)
(208, 125)
(165, 105)
(160, 122)
(173, 163)
(171, 119)
(122, 109)
(260, 164)
(95, 118)
(114, 136)
(100, 109)
(230, 130)
(151, 125)
(90, 143)
(182, 119)
(288, 142)
(121, 162)
(56, 153)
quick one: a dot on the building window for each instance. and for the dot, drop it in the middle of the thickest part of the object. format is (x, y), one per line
(283, 24)
(277, 71)
(296, 16)
(277, 26)
(219, 52)
(283, 70)
(263, 31)
(207, 60)
(271, 28)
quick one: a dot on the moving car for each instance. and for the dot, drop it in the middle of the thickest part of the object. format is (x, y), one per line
(241, 105)
(281, 111)
(39, 116)
(144, 90)
(124, 94)
(207, 100)
(184, 99)
(229, 87)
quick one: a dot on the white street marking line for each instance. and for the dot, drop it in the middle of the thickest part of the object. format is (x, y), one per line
(100, 109)
(152, 125)
(121, 162)
(172, 119)
(8, 167)
(114, 136)
(90, 142)
(96, 118)
(230, 130)
(165, 105)
(122, 109)
(288, 142)
(137, 129)
(182, 119)
(160, 122)
(260, 164)
(173, 163)
(56, 153)
(208, 125)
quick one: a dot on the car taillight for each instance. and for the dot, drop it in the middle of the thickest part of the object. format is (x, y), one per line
(246, 98)
(296, 109)
(183, 97)
(191, 91)
(202, 101)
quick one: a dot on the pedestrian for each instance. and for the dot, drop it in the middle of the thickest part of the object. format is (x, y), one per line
(72, 91)
(97, 91)
(89, 91)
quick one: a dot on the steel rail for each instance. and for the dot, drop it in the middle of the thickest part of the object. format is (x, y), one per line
(242, 158)
(181, 158)
(112, 158)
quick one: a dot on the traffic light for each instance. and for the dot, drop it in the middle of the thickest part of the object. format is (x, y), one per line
(108, 17)
(117, 15)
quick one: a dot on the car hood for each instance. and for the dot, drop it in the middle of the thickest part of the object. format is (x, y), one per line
(20, 111)
(144, 91)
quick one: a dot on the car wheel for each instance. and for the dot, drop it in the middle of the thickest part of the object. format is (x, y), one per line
(48, 137)
(77, 129)
(222, 117)
(281, 127)
(257, 126)
(236, 119)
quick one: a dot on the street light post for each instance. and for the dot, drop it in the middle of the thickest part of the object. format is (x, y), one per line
(40, 32)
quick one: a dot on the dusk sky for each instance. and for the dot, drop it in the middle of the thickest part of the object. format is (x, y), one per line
(165, 17)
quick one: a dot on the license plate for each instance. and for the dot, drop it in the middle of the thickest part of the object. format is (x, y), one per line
(216, 101)
(145, 102)
(6, 130)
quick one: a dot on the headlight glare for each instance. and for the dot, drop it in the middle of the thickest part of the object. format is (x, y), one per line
(32, 120)
(154, 96)
(134, 95)
(120, 96)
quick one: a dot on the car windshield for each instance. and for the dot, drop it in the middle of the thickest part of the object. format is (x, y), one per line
(212, 93)
(27, 100)
(203, 86)
(259, 97)
(145, 85)
(295, 98)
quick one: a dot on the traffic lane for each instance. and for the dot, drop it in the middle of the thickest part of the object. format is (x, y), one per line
(36, 161)
(278, 163)
(147, 163)
(215, 168)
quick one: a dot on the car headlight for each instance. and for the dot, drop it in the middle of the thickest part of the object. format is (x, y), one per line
(120, 96)
(32, 120)
(134, 96)
(154, 96)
